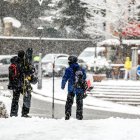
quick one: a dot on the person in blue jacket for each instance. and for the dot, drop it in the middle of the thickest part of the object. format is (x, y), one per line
(72, 90)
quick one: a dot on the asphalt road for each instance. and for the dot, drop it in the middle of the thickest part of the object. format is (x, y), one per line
(43, 108)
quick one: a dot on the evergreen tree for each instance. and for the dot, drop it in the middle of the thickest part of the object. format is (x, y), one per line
(26, 11)
(138, 13)
(1, 11)
(73, 14)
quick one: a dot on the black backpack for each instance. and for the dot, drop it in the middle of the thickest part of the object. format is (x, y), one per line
(79, 81)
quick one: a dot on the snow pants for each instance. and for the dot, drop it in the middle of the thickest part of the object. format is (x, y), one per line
(26, 103)
(79, 105)
(127, 73)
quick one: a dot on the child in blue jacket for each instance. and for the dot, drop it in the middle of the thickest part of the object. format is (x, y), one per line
(72, 90)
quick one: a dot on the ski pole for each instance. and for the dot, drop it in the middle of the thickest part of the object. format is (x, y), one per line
(53, 91)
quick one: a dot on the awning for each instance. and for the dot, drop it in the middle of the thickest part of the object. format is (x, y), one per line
(116, 42)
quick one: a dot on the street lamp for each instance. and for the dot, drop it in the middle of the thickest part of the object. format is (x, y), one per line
(40, 29)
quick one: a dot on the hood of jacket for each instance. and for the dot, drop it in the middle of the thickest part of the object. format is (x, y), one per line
(75, 66)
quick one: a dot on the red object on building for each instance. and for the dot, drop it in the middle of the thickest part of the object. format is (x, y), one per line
(133, 29)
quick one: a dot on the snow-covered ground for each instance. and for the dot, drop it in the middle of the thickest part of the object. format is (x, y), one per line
(103, 129)
(96, 103)
(49, 129)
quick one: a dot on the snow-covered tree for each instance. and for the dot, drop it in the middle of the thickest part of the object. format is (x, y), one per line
(71, 16)
(26, 11)
(95, 24)
(109, 18)
(74, 18)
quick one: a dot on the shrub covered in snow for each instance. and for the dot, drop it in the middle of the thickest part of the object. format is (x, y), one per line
(3, 110)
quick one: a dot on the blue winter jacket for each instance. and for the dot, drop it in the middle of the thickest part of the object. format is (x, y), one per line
(70, 77)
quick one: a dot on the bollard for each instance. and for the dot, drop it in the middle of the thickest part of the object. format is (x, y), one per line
(134, 63)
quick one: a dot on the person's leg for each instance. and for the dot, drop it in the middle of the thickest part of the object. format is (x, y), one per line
(68, 106)
(79, 107)
(26, 103)
(126, 74)
(129, 72)
(14, 105)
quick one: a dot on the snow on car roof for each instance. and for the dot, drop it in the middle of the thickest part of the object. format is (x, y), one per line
(6, 56)
(50, 56)
(93, 49)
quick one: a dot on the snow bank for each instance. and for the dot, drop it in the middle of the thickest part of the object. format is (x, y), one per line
(5, 104)
(50, 129)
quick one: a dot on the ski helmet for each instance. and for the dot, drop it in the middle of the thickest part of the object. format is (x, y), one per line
(21, 53)
(72, 59)
(34, 79)
(14, 59)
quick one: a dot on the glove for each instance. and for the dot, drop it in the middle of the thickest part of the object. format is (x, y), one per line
(85, 95)
(10, 87)
(29, 78)
(62, 87)
(90, 88)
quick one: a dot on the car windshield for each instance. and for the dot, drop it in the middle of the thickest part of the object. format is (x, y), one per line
(49, 57)
(5, 61)
(87, 54)
(61, 61)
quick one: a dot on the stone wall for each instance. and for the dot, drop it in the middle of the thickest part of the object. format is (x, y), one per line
(11, 46)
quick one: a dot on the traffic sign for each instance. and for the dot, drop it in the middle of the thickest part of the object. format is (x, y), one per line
(138, 70)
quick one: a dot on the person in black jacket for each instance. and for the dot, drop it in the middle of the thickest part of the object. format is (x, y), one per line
(21, 75)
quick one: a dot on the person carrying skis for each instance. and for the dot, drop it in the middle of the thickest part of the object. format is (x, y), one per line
(21, 75)
(75, 75)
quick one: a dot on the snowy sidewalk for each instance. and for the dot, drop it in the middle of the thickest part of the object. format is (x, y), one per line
(89, 102)
(119, 82)
(50, 129)
(18, 128)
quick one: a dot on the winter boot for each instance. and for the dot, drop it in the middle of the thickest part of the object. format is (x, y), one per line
(67, 116)
(26, 116)
(79, 118)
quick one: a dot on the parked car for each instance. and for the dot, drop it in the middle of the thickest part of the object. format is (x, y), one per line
(48, 60)
(4, 65)
(62, 63)
(92, 56)
(82, 64)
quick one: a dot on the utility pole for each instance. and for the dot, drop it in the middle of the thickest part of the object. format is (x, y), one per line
(40, 56)
(40, 29)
